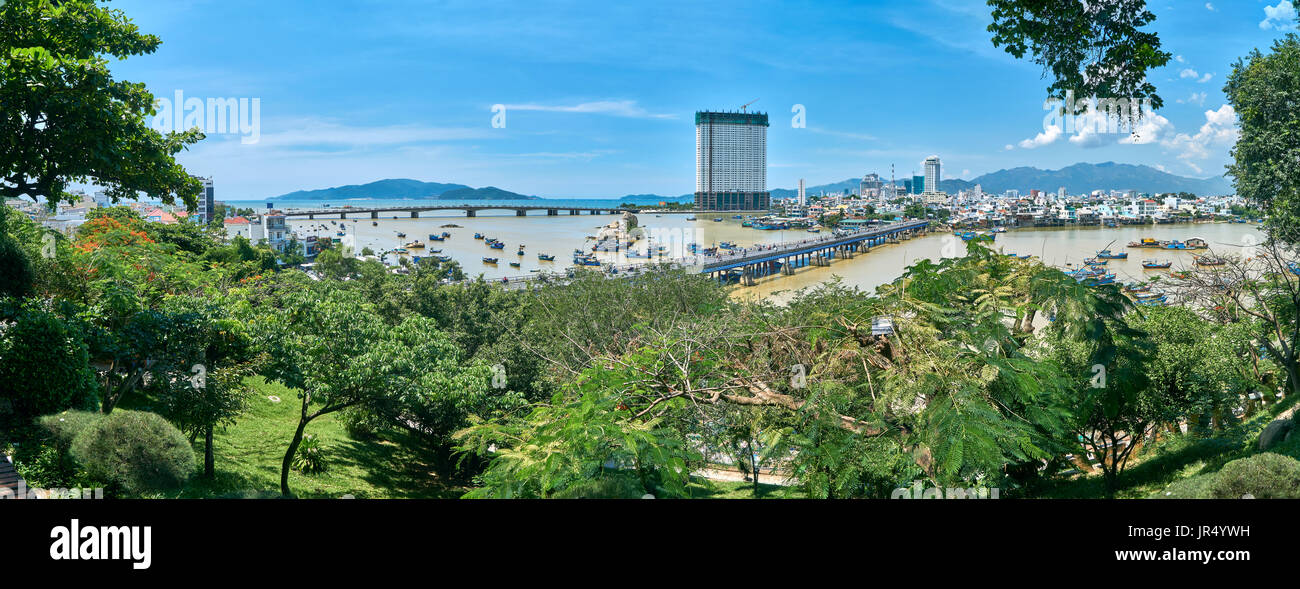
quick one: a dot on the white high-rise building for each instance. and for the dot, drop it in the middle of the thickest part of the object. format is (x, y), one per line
(932, 174)
(207, 206)
(803, 197)
(731, 161)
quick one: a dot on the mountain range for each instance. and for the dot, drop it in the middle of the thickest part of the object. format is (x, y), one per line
(1077, 179)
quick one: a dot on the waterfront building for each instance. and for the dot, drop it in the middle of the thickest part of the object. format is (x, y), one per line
(207, 206)
(731, 161)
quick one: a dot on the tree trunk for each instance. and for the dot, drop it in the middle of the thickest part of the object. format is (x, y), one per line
(209, 462)
(753, 458)
(288, 455)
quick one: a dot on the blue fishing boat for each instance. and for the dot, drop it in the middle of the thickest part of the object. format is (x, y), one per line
(1154, 265)
(433, 237)
(497, 245)
(545, 258)
(489, 260)
(1108, 255)
(478, 236)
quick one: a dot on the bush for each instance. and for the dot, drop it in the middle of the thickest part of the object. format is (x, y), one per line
(1265, 476)
(1197, 487)
(44, 366)
(613, 486)
(46, 460)
(310, 457)
(134, 451)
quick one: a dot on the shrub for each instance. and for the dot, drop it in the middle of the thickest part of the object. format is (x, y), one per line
(46, 460)
(44, 366)
(134, 451)
(1265, 476)
(1197, 487)
(613, 486)
(310, 457)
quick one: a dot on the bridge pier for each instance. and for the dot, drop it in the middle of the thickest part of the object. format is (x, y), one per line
(311, 216)
(520, 212)
(374, 214)
(552, 212)
(343, 215)
(470, 212)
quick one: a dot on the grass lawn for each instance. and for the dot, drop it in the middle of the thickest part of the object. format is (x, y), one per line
(249, 454)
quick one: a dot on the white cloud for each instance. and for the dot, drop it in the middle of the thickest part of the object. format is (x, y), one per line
(1009, 147)
(1047, 137)
(618, 108)
(1220, 129)
(1197, 98)
(1193, 74)
(1209, 6)
(1179, 59)
(1281, 17)
(1150, 129)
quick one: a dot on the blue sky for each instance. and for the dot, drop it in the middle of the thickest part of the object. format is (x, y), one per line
(600, 96)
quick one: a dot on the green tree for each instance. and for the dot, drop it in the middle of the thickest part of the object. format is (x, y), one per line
(44, 365)
(340, 354)
(1264, 90)
(1090, 49)
(66, 119)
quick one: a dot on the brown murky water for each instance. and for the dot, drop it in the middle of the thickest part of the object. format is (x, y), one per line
(560, 235)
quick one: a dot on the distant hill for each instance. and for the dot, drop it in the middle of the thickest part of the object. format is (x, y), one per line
(1077, 179)
(1082, 178)
(485, 193)
(382, 189)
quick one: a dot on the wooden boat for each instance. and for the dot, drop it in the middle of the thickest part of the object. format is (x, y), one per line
(1154, 265)
(400, 235)
(1095, 262)
(433, 237)
(1146, 242)
(478, 236)
(514, 264)
(1208, 262)
(497, 245)
(1108, 255)
(415, 245)
(545, 258)
(519, 253)
(489, 260)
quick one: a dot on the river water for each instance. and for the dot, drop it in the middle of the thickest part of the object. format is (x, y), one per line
(560, 235)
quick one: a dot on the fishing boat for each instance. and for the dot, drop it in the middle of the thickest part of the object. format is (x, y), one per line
(433, 237)
(400, 250)
(489, 260)
(1108, 255)
(496, 245)
(1146, 242)
(814, 230)
(514, 264)
(727, 245)
(1136, 287)
(1174, 245)
(415, 245)
(1154, 265)
(717, 219)
(519, 253)
(374, 223)
(999, 229)
(446, 234)
(545, 258)
(435, 251)
(400, 235)
(1208, 261)
(746, 223)
(442, 258)
(691, 218)
(737, 217)
(1155, 302)
(1095, 262)
(478, 236)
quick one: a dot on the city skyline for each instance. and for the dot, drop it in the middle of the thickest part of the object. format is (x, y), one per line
(589, 113)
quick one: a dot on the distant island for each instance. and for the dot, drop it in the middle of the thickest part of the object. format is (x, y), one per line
(403, 188)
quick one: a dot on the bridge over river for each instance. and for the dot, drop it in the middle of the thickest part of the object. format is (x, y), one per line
(745, 266)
